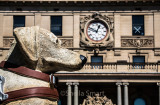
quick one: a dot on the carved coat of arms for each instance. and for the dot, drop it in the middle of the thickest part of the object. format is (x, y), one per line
(97, 100)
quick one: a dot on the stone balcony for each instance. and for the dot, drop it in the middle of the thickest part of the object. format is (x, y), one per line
(122, 67)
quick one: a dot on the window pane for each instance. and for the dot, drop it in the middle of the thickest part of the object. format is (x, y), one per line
(56, 25)
(97, 62)
(18, 21)
(138, 25)
(139, 101)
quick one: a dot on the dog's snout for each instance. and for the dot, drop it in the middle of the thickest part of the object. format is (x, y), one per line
(84, 59)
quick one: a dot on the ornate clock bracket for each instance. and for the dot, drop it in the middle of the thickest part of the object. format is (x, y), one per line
(85, 41)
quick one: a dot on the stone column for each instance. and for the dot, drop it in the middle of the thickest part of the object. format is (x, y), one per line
(119, 95)
(69, 94)
(159, 91)
(76, 93)
(126, 102)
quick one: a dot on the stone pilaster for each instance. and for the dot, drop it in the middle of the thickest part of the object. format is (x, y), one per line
(1, 30)
(37, 19)
(117, 35)
(156, 33)
(76, 31)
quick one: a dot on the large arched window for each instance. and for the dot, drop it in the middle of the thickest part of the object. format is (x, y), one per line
(139, 101)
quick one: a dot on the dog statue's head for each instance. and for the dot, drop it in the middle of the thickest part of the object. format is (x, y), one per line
(40, 49)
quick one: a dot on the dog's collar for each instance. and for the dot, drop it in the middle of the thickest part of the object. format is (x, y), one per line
(41, 92)
(21, 70)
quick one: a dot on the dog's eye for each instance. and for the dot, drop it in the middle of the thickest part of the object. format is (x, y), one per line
(57, 41)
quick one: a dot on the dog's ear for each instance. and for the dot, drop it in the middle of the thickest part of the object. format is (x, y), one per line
(49, 37)
(26, 38)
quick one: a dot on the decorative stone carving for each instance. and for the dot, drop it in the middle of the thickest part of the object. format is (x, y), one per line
(137, 42)
(7, 42)
(67, 43)
(84, 21)
(97, 100)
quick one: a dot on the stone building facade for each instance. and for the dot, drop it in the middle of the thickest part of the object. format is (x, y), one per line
(120, 38)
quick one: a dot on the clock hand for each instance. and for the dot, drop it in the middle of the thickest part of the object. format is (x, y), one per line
(98, 28)
(92, 29)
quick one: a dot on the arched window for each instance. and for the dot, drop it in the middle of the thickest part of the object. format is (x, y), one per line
(139, 101)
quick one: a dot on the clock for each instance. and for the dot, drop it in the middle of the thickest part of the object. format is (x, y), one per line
(97, 31)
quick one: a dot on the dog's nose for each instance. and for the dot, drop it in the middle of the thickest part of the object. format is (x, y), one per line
(84, 59)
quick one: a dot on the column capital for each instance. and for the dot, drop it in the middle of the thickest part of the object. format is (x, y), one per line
(69, 83)
(125, 83)
(75, 83)
(118, 83)
(158, 83)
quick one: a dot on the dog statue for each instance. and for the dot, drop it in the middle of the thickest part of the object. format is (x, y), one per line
(34, 49)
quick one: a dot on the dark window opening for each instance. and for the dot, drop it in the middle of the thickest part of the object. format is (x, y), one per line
(18, 21)
(139, 62)
(97, 62)
(138, 25)
(56, 25)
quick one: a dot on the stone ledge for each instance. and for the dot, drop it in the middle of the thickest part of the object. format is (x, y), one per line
(1, 51)
(157, 52)
(117, 53)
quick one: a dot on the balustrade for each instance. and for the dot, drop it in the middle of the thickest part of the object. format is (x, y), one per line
(131, 67)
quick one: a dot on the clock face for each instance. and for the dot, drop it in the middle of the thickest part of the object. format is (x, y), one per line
(97, 31)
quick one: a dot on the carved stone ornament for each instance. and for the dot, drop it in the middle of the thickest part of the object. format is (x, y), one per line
(7, 42)
(103, 40)
(137, 42)
(97, 100)
(67, 43)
